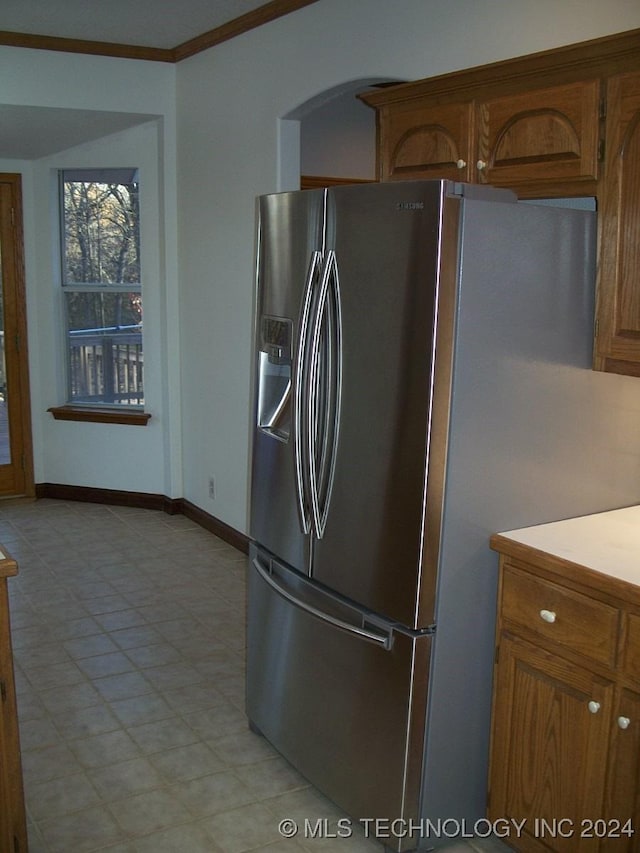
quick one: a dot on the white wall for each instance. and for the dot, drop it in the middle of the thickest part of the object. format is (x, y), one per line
(219, 113)
(145, 459)
(230, 100)
(338, 139)
(90, 454)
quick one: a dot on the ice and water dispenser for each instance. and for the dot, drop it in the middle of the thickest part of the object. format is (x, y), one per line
(274, 377)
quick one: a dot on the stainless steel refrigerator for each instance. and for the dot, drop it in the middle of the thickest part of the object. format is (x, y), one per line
(417, 348)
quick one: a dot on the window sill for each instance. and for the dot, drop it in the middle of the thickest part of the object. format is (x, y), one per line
(99, 416)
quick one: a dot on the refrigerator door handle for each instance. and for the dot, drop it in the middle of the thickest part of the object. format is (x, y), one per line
(325, 388)
(301, 394)
(381, 638)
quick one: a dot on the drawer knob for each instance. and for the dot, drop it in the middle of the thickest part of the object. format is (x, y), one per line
(481, 165)
(461, 164)
(624, 722)
(548, 615)
(594, 707)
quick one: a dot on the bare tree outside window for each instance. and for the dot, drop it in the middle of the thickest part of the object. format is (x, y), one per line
(101, 283)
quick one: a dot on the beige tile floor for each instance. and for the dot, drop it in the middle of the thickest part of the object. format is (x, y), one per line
(128, 635)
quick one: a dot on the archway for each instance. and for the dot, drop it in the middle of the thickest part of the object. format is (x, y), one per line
(329, 138)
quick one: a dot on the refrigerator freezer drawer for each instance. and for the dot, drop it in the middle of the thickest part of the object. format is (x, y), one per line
(346, 711)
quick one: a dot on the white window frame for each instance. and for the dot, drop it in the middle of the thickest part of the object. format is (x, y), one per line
(97, 346)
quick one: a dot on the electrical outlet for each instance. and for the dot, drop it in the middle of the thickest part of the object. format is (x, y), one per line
(212, 488)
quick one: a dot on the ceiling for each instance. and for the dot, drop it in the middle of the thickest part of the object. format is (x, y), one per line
(28, 133)
(173, 28)
(163, 30)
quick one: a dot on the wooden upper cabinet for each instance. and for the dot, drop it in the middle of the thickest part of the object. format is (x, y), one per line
(434, 142)
(544, 139)
(545, 136)
(560, 123)
(618, 337)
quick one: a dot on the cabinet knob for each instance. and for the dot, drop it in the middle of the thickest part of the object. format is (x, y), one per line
(461, 164)
(594, 707)
(624, 722)
(548, 615)
(481, 165)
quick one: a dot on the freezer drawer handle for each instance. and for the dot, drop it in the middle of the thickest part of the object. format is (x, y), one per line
(381, 639)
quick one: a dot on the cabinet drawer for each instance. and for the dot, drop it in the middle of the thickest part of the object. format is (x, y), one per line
(563, 616)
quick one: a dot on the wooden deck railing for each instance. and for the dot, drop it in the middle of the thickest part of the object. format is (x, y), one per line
(106, 366)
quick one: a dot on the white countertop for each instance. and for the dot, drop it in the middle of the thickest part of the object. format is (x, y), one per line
(607, 542)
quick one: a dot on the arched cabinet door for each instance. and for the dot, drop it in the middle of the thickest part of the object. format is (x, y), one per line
(618, 318)
(543, 136)
(429, 142)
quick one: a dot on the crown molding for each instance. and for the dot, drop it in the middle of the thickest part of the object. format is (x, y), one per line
(249, 21)
(95, 48)
(262, 15)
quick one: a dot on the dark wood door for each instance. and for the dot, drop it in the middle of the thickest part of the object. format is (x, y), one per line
(16, 455)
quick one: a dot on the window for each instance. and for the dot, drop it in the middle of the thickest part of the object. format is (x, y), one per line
(100, 223)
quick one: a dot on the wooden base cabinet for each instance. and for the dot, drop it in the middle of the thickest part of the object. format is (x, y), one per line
(623, 794)
(550, 748)
(13, 831)
(565, 749)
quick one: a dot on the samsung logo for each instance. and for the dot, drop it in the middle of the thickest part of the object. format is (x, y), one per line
(410, 205)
